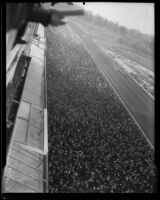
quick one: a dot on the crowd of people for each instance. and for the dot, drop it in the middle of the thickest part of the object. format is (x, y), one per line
(146, 83)
(94, 144)
(146, 80)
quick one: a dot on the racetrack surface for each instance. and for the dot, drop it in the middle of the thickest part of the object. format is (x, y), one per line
(138, 102)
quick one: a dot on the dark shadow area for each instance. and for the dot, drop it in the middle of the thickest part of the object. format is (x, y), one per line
(13, 95)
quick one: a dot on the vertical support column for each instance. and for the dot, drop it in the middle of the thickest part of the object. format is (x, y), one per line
(45, 165)
(45, 131)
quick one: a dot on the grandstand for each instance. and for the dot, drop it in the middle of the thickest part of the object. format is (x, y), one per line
(27, 152)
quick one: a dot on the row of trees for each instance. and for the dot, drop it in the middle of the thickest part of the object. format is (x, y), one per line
(102, 22)
(131, 37)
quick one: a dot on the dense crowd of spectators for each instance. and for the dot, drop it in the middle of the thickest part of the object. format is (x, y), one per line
(147, 84)
(94, 145)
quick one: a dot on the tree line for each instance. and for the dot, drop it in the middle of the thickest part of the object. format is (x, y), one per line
(131, 37)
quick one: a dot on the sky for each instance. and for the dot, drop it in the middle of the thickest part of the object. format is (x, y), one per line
(139, 16)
